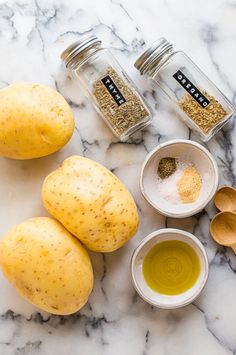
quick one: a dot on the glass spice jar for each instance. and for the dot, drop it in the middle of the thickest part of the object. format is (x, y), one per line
(114, 95)
(202, 106)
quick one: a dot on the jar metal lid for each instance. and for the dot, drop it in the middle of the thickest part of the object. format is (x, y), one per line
(83, 44)
(152, 55)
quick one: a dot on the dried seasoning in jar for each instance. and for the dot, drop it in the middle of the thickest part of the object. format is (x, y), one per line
(200, 104)
(205, 117)
(111, 91)
(119, 104)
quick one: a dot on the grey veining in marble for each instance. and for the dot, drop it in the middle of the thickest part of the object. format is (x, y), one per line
(116, 321)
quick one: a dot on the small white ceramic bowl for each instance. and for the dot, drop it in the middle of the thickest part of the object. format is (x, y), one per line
(154, 298)
(184, 150)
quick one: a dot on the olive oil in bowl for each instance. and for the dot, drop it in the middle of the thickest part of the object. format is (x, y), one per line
(171, 267)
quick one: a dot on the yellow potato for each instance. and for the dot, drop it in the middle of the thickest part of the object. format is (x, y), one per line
(91, 203)
(47, 265)
(34, 121)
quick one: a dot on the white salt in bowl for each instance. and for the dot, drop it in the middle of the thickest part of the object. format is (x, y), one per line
(189, 152)
(153, 297)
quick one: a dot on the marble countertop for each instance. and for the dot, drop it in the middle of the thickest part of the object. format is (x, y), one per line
(116, 320)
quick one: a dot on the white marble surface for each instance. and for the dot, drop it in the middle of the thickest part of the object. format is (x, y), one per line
(116, 321)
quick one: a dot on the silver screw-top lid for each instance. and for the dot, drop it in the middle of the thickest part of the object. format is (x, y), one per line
(82, 45)
(152, 55)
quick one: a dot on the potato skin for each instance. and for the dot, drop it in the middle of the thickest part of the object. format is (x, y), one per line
(92, 203)
(35, 121)
(47, 265)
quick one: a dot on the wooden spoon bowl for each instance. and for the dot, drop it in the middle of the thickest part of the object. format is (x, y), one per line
(225, 199)
(223, 229)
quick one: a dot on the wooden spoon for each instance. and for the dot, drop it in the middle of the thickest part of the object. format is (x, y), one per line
(223, 229)
(225, 199)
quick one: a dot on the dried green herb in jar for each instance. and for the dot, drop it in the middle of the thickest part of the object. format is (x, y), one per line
(206, 118)
(119, 104)
(166, 167)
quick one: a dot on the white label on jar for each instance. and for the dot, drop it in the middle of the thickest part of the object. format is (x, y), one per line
(191, 89)
(113, 90)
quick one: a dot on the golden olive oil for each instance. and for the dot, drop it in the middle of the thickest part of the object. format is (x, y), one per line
(171, 267)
